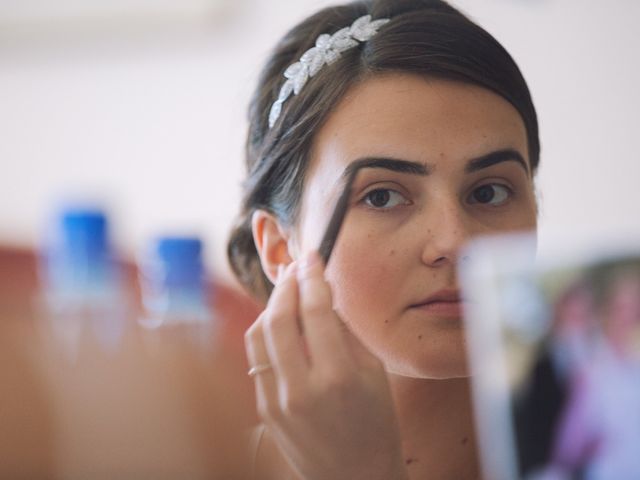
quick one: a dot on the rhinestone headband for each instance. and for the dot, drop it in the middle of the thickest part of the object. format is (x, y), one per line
(326, 51)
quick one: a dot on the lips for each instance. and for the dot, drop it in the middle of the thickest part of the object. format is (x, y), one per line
(444, 303)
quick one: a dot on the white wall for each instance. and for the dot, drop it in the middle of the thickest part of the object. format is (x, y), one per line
(148, 113)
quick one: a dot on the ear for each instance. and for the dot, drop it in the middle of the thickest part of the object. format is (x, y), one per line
(272, 243)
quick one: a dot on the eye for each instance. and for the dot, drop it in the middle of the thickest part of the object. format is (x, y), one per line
(493, 194)
(384, 198)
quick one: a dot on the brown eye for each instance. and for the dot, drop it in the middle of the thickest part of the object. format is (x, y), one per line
(490, 194)
(384, 198)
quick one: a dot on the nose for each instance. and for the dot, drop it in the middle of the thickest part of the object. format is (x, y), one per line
(447, 230)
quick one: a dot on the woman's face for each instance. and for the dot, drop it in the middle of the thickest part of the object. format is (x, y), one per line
(393, 269)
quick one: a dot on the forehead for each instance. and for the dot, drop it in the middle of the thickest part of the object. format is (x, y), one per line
(416, 118)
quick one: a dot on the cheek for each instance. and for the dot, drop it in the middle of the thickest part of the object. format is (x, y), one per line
(529, 219)
(526, 217)
(365, 275)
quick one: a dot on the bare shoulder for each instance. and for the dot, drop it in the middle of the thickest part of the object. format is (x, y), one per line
(268, 461)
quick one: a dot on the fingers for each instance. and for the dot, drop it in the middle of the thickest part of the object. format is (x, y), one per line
(282, 334)
(324, 331)
(257, 355)
(275, 339)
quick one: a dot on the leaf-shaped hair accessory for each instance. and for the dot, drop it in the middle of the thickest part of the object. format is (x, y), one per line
(327, 50)
(363, 28)
(298, 73)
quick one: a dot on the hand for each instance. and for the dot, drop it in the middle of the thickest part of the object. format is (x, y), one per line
(326, 400)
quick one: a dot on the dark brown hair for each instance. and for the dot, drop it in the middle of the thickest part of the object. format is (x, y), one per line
(423, 37)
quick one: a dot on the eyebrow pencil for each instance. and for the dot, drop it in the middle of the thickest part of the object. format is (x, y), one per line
(337, 218)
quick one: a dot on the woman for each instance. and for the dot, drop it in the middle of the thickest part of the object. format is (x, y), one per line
(360, 366)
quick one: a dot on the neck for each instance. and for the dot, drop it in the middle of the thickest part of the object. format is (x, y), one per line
(436, 426)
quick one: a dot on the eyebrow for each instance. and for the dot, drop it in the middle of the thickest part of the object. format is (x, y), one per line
(493, 158)
(395, 165)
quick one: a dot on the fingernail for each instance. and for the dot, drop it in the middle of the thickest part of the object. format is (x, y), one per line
(280, 272)
(309, 261)
(290, 270)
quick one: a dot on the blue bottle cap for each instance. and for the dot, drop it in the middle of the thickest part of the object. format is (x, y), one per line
(179, 262)
(79, 254)
(85, 234)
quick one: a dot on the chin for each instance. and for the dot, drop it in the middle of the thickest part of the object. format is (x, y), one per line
(433, 366)
(433, 372)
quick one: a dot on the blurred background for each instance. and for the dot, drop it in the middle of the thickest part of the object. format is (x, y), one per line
(140, 105)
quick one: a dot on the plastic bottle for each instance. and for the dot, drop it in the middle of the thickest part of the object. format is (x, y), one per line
(82, 284)
(174, 289)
